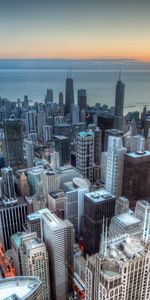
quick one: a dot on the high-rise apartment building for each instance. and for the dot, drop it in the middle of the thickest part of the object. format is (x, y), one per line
(69, 95)
(120, 271)
(13, 143)
(115, 162)
(34, 261)
(85, 154)
(58, 236)
(119, 105)
(136, 177)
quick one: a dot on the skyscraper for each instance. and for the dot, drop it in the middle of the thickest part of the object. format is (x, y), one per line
(119, 104)
(41, 122)
(62, 147)
(75, 114)
(120, 270)
(13, 214)
(8, 182)
(69, 95)
(13, 143)
(97, 145)
(61, 103)
(97, 205)
(136, 177)
(82, 99)
(29, 152)
(115, 162)
(49, 96)
(34, 261)
(58, 236)
(30, 120)
(85, 154)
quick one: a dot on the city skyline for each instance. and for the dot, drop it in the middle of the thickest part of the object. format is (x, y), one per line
(75, 29)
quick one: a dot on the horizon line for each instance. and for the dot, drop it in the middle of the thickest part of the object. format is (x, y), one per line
(79, 59)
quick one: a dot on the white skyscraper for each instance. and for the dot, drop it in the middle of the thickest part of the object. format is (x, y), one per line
(58, 236)
(50, 181)
(34, 261)
(115, 162)
(120, 271)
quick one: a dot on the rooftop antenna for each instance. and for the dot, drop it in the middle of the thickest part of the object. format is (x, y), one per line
(102, 239)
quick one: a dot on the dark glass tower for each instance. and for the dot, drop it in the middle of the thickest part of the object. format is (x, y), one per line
(69, 95)
(13, 143)
(119, 104)
(82, 99)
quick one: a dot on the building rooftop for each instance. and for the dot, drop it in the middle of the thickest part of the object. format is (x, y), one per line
(60, 137)
(54, 222)
(138, 154)
(86, 133)
(127, 219)
(18, 287)
(16, 238)
(12, 202)
(100, 195)
(34, 216)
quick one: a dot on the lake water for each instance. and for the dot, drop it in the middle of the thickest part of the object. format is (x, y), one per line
(33, 77)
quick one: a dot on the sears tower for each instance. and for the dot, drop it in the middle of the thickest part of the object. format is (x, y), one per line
(69, 95)
(119, 104)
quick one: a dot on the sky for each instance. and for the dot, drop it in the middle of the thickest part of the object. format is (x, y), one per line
(75, 29)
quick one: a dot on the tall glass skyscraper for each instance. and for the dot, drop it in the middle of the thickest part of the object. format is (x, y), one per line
(13, 143)
(119, 104)
(69, 95)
